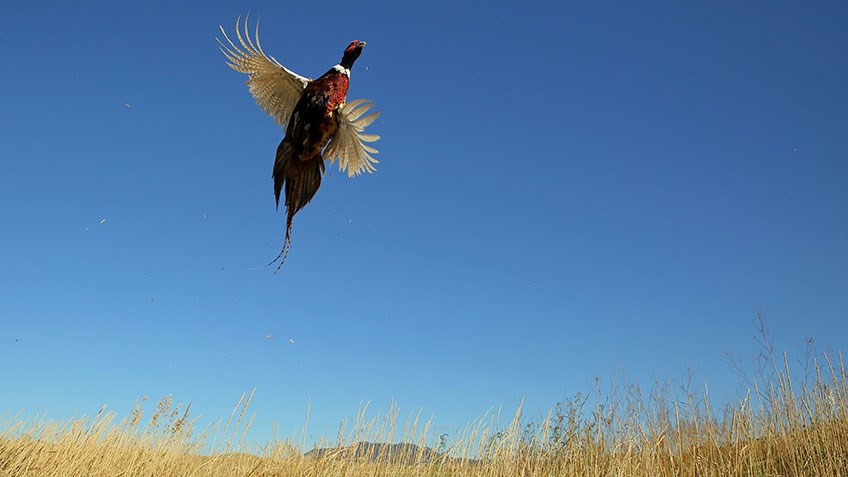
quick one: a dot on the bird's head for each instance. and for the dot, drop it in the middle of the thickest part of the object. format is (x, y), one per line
(351, 53)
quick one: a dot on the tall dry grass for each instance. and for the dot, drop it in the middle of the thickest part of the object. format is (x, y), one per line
(784, 426)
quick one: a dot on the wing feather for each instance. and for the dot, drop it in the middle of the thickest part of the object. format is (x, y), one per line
(275, 88)
(367, 120)
(348, 144)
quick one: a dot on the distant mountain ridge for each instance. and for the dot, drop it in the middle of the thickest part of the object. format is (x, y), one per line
(377, 451)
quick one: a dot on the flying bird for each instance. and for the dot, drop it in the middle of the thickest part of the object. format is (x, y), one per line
(319, 123)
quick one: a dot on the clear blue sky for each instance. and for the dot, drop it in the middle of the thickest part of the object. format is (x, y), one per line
(564, 191)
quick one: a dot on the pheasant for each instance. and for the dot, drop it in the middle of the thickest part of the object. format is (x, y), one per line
(318, 121)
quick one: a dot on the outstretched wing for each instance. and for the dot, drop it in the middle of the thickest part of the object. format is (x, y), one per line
(275, 88)
(348, 144)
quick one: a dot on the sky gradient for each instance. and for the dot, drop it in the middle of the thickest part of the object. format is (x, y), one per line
(565, 191)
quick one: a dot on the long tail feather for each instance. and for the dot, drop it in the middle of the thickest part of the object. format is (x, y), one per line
(301, 180)
(285, 250)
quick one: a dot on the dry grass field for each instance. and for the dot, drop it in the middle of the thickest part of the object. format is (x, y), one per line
(785, 426)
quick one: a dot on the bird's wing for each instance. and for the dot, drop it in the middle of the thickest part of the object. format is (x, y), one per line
(348, 144)
(275, 88)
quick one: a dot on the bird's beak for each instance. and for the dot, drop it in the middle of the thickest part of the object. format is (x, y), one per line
(360, 44)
